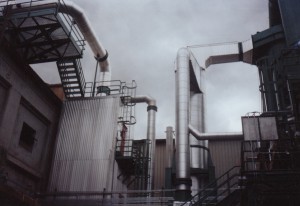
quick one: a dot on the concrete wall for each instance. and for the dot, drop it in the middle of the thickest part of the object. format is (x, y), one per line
(25, 98)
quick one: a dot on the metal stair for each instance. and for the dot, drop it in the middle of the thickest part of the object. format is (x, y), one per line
(225, 190)
(72, 78)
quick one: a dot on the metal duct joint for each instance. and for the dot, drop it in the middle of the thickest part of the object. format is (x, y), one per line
(152, 109)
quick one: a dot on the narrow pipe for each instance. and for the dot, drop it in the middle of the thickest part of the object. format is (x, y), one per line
(152, 109)
(215, 136)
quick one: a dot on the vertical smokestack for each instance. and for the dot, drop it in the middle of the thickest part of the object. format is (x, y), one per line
(152, 109)
(183, 179)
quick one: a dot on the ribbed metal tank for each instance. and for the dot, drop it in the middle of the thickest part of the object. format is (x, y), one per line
(84, 153)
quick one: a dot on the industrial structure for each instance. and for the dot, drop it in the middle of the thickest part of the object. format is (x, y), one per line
(71, 144)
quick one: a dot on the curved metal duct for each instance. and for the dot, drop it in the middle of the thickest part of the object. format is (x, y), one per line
(183, 180)
(189, 122)
(152, 109)
(87, 31)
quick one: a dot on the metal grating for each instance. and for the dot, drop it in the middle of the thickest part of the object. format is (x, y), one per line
(41, 34)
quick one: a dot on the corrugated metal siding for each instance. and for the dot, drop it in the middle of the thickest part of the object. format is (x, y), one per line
(85, 146)
(159, 164)
(225, 154)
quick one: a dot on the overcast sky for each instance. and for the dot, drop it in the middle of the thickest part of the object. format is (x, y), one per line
(143, 37)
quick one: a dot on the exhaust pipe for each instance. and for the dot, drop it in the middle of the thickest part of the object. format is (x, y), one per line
(152, 109)
(183, 179)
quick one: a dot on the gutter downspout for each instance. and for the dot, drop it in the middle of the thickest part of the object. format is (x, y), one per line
(152, 109)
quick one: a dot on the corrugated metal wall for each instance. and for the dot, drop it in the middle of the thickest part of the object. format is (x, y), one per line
(225, 154)
(84, 155)
(160, 164)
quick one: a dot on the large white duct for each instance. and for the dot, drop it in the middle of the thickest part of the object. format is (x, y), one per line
(152, 109)
(187, 121)
(87, 31)
(183, 179)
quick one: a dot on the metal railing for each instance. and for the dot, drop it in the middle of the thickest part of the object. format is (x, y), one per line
(219, 189)
(28, 8)
(269, 155)
(104, 197)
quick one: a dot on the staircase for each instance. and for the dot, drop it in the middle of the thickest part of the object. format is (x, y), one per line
(72, 78)
(223, 191)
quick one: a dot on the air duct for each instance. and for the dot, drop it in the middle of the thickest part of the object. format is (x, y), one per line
(190, 119)
(87, 31)
(152, 109)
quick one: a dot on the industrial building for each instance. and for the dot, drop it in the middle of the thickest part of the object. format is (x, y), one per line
(72, 144)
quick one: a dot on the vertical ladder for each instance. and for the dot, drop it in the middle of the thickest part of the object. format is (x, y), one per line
(72, 78)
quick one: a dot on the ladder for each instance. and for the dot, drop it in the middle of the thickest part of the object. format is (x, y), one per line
(72, 78)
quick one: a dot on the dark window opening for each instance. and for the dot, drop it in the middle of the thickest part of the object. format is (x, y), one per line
(27, 137)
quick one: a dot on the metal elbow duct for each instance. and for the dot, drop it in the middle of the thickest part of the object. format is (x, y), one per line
(152, 109)
(144, 99)
(83, 24)
(242, 54)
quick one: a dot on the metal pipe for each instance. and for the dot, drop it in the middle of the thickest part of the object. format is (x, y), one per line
(215, 136)
(197, 154)
(169, 147)
(87, 31)
(152, 109)
(197, 121)
(183, 179)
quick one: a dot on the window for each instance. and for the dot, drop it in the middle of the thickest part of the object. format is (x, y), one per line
(27, 137)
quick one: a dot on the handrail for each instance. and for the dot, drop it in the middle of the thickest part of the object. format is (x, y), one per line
(213, 188)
